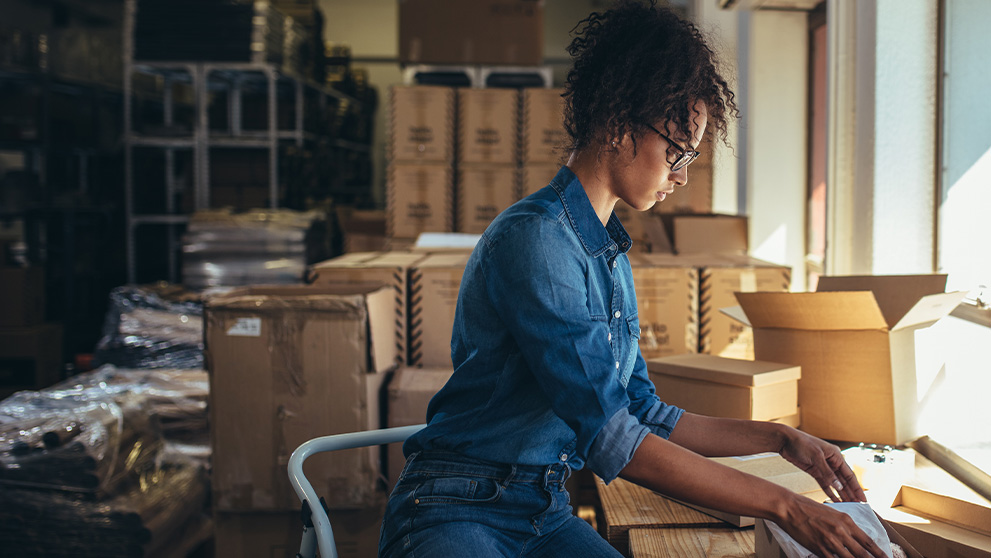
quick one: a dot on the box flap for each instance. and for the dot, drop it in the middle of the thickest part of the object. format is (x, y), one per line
(381, 306)
(722, 370)
(930, 309)
(895, 294)
(737, 313)
(813, 311)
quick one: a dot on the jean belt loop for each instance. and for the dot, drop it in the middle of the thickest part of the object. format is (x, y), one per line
(409, 461)
(509, 477)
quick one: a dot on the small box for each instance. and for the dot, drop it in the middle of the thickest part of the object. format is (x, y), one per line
(420, 198)
(488, 130)
(22, 296)
(434, 286)
(422, 124)
(288, 364)
(940, 525)
(488, 32)
(667, 304)
(483, 192)
(856, 344)
(689, 235)
(544, 136)
(725, 387)
(387, 268)
(409, 393)
(535, 176)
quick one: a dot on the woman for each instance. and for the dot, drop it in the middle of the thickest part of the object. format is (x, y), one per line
(548, 374)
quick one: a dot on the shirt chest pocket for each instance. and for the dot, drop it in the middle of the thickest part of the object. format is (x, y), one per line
(627, 348)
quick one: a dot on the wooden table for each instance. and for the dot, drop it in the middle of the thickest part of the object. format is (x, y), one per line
(626, 506)
(701, 542)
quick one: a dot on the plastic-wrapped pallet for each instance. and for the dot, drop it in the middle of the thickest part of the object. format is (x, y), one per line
(86, 471)
(225, 249)
(152, 327)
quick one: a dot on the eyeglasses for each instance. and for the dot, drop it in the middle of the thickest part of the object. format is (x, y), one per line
(684, 156)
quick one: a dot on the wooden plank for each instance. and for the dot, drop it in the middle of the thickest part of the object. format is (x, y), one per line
(628, 506)
(692, 542)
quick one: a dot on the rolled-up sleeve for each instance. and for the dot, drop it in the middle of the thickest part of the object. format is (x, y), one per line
(542, 293)
(646, 406)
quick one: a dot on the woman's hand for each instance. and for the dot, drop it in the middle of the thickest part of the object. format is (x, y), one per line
(827, 532)
(825, 463)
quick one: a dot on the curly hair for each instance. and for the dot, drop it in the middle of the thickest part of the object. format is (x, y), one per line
(639, 64)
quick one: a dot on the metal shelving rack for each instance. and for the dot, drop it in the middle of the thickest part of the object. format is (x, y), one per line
(201, 140)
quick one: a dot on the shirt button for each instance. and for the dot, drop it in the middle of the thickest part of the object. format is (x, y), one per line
(610, 336)
(617, 365)
(614, 264)
(617, 314)
(564, 457)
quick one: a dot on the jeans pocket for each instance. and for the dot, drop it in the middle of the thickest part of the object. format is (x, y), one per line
(457, 490)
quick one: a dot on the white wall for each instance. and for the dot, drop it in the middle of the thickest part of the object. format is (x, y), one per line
(965, 200)
(773, 61)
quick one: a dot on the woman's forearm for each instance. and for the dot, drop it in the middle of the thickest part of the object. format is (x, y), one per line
(719, 437)
(682, 474)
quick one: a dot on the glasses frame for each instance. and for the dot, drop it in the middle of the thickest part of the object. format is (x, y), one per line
(685, 156)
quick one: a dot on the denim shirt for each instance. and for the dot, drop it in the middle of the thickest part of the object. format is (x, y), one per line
(545, 344)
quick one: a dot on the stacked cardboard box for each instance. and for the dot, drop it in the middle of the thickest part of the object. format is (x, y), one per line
(288, 364)
(388, 268)
(726, 387)
(720, 277)
(542, 138)
(493, 32)
(488, 151)
(421, 153)
(667, 304)
(433, 298)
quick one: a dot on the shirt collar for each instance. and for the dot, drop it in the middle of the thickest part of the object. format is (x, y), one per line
(595, 238)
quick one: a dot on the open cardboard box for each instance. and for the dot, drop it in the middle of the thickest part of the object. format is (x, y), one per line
(855, 342)
(767, 546)
(940, 525)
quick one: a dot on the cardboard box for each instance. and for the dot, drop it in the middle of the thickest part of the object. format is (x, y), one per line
(667, 304)
(434, 285)
(725, 387)
(767, 546)
(488, 126)
(689, 235)
(22, 296)
(420, 198)
(544, 136)
(535, 176)
(278, 534)
(642, 228)
(772, 468)
(409, 393)
(972, 515)
(421, 124)
(720, 277)
(491, 32)
(483, 192)
(794, 421)
(856, 349)
(388, 268)
(30, 357)
(288, 364)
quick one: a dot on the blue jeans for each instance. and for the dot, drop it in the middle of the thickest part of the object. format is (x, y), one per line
(447, 505)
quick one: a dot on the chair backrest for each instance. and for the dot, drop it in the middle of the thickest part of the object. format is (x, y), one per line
(306, 493)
